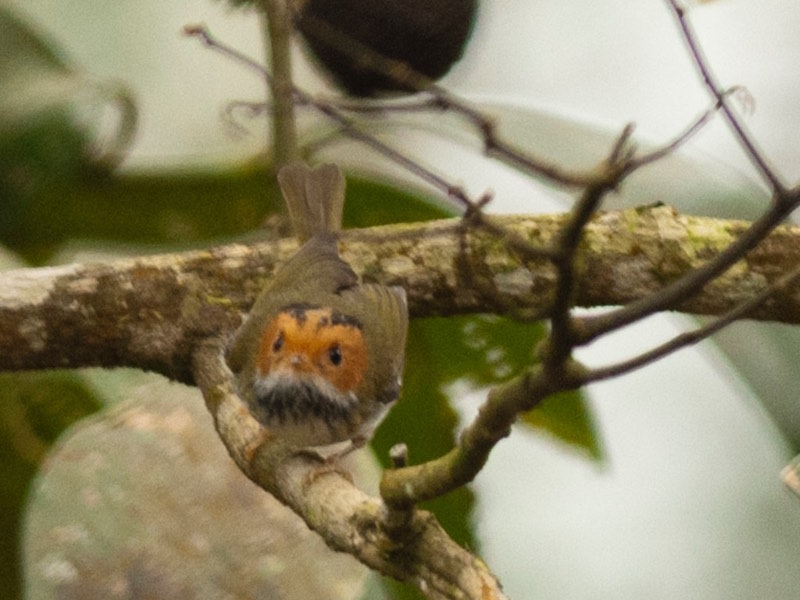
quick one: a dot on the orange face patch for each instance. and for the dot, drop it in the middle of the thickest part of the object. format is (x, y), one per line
(314, 341)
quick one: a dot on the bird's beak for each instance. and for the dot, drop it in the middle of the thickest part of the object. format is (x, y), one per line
(299, 363)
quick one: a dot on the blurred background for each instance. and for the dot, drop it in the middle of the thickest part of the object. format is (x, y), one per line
(664, 483)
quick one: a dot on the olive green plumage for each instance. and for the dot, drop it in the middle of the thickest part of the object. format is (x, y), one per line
(317, 276)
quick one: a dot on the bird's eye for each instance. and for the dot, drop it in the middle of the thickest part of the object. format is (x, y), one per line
(278, 343)
(335, 355)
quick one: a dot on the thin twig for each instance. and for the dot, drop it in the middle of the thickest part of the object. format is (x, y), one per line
(231, 109)
(417, 483)
(749, 145)
(407, 77)
(561, 342)
(680, 139)
(670, 296)
(420, 103)
(346, 124)
(692, 337)
(784, 202)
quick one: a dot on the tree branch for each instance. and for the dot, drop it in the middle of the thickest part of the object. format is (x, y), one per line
(284, 129)
(404, 487)
(684, 290)
(402, 73)
(349, 520)
(746, 141)
(694, 336)
(148, 312)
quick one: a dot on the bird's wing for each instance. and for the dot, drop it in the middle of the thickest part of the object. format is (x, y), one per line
(383, 311)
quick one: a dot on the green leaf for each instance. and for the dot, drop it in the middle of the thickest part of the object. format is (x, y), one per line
(176, 208)
(371, 202)
(567, 416)
(171, 209)
(487, 350)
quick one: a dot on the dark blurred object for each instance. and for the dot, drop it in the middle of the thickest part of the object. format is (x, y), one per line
(428, 36)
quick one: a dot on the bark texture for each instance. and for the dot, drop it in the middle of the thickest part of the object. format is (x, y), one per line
(150, 312)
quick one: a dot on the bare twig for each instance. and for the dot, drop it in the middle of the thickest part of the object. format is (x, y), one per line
(719, 94)
(695, 336)
(681, 289)
(347, 125)
(398, 517)
(460, 465)
(561, 342)
(784, 202)
(442, 99)
(409, 485)
(682, 138)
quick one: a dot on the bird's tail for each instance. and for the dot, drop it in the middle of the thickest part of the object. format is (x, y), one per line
(314, 198)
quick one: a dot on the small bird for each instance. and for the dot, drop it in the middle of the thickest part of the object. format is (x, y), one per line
(319, 360)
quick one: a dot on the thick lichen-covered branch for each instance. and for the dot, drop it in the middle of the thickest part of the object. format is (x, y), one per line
(148, 312)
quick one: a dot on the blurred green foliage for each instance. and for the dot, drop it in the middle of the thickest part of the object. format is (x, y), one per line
(35, 408)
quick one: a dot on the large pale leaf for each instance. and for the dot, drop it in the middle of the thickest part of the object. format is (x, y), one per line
(144, 501)
(34, 409)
